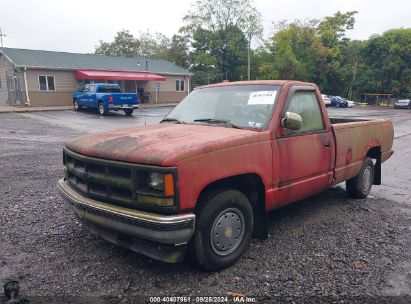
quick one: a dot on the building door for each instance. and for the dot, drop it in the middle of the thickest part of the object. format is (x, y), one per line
(130, 86)
(14, 91)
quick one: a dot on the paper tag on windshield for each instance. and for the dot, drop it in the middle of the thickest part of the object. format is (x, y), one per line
(262, 98)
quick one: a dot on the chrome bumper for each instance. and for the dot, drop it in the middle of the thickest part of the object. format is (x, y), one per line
(137, 230)
(120, 107)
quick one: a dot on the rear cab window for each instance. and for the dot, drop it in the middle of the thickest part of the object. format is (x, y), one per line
(108, 89)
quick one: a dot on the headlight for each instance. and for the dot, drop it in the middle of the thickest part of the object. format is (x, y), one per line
(159, 191)
(162, 183)
(156, 181)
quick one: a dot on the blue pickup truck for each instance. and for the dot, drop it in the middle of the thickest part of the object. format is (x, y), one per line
(105, 97)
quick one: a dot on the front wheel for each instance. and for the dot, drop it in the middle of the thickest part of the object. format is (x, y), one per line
(76, 105)
(224, 229)
(102, 109)
(360, 186)
(128, 112)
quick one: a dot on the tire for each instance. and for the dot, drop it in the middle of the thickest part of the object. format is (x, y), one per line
(128, 112)
(360, 185)
(76, 105)
(102, 109)
(223, 230)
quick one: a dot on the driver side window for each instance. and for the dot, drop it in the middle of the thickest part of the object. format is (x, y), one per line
(306, 105)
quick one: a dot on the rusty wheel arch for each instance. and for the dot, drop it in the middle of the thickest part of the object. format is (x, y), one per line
(375, 153)
(252, 186)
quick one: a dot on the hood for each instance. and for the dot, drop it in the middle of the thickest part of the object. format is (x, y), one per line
(162, 144)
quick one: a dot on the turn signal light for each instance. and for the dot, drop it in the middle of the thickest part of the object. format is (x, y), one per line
(110, 98)
(168, 185)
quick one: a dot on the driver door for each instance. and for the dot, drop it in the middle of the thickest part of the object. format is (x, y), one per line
(82, 97)
(303, 158)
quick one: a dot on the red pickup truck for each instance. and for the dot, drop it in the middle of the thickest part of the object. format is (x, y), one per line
(203, 179)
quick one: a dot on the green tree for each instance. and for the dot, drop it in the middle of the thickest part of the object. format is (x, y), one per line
(124, 44)
(153, 45)
(222, 30)
(313, 50)
(178, 51)
(332, 29)
(388, 61)
(147, 44)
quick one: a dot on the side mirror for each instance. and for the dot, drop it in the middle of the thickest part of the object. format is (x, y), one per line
(291, 121)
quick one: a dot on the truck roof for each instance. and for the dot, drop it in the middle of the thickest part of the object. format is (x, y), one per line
(256, 82)
(105, 84)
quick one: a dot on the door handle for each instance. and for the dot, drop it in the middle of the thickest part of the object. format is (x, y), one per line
(327, 145)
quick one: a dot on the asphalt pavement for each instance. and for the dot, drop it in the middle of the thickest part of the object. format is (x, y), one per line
(320, 250)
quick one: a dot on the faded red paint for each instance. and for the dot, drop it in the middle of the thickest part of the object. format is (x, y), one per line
(291, 168)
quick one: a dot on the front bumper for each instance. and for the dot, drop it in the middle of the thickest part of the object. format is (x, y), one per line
(162, 237)
(401, 106)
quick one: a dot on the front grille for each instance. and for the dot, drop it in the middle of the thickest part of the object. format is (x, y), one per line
(110, 181)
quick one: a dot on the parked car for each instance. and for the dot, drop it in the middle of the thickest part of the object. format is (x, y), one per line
(326, 99)
(351, 103)
(402, 104)
(206, 176)
(105, 97)
(338, 102)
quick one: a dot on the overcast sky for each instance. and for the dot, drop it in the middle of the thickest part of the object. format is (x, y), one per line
(77, 26)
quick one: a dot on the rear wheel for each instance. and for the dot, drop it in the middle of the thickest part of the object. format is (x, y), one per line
(337, 105)
(76, 105)
(224, 229)
(102, 109)
(128, 112)
(360, 185)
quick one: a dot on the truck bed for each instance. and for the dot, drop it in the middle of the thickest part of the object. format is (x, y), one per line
(337, 120)
(354, 138)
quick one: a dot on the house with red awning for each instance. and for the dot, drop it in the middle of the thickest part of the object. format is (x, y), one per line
(47, 78)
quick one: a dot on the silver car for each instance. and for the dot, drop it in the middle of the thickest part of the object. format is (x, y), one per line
(402, 104)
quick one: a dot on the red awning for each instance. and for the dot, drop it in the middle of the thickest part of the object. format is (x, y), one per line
(113, 75)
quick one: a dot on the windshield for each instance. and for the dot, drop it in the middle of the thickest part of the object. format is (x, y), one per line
(245, 106)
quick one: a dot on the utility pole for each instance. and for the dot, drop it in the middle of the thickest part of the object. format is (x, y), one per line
(352, 81)
(1, 43)
(248, 58)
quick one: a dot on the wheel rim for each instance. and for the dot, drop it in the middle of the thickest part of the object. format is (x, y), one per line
(227, 231)
(101, 108)
(76, 105)
(366, 179)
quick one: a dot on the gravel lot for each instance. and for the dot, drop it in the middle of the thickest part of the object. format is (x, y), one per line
(321, 249)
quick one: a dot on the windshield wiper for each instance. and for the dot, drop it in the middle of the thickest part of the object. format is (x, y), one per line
(218, 121)
(170, 119)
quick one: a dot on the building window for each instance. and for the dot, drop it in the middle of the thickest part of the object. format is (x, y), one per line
(180, 85)
(46, 83)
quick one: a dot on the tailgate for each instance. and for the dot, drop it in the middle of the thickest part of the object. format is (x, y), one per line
(124, 98)
(354, 139)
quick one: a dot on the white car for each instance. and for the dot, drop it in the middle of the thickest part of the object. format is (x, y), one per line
(350, 103)
(327, 100)
(402, 104)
